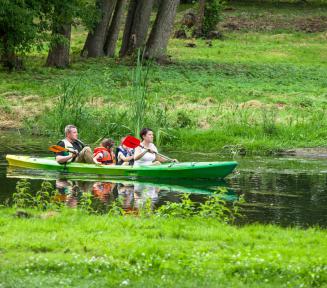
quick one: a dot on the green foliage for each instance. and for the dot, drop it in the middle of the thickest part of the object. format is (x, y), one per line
(43, 196)
(183, 209)
(269, 121)
(156, 252)
(215, 207)
(115, 208)
(184, 120)
(139, 94)
(70, 107)
(85, 202)
(22, 198)
(212, 15)
(282, 69)
(18, 30)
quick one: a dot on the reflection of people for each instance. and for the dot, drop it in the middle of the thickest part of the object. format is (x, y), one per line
(102, 190)
(143, 192)
(147, 152)
(68, 192)
(126, 193)
(104, 154)
(80, 153)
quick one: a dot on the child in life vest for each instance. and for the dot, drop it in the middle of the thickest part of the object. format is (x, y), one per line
(104, 154)
(124, 155)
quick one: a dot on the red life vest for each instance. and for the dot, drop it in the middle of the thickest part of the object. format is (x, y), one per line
(107, 158)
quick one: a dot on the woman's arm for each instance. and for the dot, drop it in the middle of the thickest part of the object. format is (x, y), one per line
(139, 154)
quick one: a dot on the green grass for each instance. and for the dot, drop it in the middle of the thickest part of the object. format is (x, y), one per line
(72, 249)
(223, 91)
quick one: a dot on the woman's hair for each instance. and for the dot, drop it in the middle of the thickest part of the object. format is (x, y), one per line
(144, 131)
(107, 143)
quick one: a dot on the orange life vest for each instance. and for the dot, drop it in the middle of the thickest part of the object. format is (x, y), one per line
(107, 158)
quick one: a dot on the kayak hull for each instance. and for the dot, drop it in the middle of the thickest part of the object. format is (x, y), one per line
(189, 170)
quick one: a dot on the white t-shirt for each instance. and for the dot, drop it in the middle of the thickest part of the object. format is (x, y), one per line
(147, 158)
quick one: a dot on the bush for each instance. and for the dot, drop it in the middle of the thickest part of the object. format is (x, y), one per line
(212, 13)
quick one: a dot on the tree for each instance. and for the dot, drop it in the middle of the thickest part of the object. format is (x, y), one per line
(136, 26)
(94, 45)
(158, 40)
(113, 31)
(17, 30)
(200, 17)
(60, 14)
(208, 16)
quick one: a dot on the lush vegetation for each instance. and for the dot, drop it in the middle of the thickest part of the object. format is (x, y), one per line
(72, 249)
(262, 88)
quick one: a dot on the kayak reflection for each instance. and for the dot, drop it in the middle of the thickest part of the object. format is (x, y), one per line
(132, 195)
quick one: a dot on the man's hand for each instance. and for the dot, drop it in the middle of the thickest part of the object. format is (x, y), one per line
(75, 153)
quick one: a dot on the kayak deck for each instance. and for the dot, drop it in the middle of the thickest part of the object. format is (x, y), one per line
(200, 170)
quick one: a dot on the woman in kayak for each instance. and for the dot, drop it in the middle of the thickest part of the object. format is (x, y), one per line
(147, 152)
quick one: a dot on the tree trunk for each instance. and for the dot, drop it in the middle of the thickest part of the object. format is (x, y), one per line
(94, 43)
(8, 57)
(136, 27)
(158, 40)
(113, 32)
(58, 55)
(200, 17)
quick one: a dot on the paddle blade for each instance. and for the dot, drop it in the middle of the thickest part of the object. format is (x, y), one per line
(57, 149)
(131, 142)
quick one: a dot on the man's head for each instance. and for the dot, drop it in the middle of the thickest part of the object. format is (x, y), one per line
(71, 132)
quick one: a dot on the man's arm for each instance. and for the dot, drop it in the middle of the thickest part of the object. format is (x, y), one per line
(63, 159)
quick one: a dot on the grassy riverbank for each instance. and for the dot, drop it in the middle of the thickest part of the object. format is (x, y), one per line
(72, 249)
(262, 88)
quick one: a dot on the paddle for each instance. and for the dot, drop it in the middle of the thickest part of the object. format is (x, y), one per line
(132, 142)
(58, 149)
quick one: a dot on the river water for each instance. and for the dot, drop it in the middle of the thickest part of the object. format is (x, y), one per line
(288, 191)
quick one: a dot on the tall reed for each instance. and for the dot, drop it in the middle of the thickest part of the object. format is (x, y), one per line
(139, 94)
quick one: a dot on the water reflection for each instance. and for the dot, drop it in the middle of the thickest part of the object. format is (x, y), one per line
(284, 191)
(132, 195)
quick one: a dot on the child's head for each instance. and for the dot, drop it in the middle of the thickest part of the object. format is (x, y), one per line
(121, 143)
(107, 143)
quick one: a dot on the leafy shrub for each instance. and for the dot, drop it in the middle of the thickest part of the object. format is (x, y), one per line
(22, 198)
(184, 120)
(183, 209)
(212, 13)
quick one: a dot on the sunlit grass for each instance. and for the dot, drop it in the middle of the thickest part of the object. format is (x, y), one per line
(73, 249)
(223, 88)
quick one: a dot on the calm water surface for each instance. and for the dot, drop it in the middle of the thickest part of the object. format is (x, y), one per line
(288, 191)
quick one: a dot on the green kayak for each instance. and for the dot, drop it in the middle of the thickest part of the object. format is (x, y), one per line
(190, 170)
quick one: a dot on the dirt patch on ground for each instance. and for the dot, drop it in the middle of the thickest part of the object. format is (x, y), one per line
(274, 22)
(318, 152)
(15, 108)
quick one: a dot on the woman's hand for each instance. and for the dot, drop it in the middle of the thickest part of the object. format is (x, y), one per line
(151, 151)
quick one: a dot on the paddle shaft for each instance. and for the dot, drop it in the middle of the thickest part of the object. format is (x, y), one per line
(161, 155)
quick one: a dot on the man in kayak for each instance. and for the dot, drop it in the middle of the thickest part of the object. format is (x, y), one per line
(80, 152)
